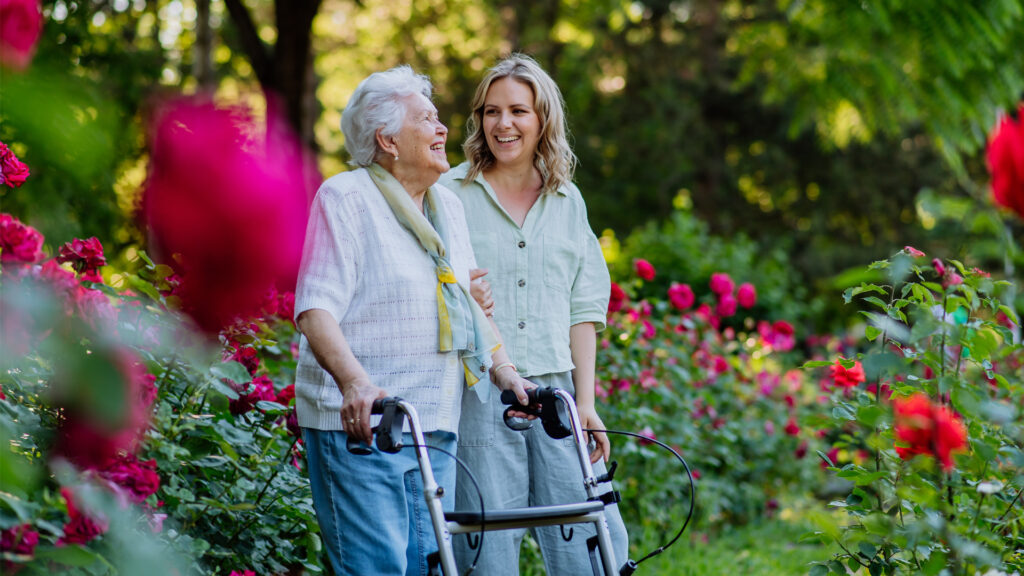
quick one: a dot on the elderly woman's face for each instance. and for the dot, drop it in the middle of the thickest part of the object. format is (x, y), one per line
(422, 138)
(510, 124)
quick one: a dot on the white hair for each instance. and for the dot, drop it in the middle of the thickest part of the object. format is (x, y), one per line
(375, 105)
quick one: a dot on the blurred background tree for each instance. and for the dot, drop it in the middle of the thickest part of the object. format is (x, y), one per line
(829, 131)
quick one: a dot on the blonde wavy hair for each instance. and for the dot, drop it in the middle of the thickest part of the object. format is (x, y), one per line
(554, 158)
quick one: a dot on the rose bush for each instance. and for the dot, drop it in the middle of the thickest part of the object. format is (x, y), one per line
(933, 403)
(129, 429)
(722, 388)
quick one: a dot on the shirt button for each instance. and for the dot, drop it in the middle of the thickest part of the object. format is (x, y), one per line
(522, 325)
(522, 283)
(522, 244)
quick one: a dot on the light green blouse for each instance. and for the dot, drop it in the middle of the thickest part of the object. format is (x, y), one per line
(545, 277)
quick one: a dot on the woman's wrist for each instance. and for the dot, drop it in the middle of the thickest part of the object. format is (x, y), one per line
(497, 367)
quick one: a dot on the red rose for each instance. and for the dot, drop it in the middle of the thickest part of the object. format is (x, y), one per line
(261, 388)
(615, 302)
(747, 295)
(233, 209)
(286, 306)
(20, 540)
(286, 395)
(681, 296)
(1006, 162)
(801, 450)
(85, 256)
(940, 268)
(138, 479)
(923, 428)
(644, 269)
(80, 528)
(21, 22)
(248, 357)
(843, 377)
(792, 428)
(913, 252)
(721, 283)
(18, 242)
(13, 172)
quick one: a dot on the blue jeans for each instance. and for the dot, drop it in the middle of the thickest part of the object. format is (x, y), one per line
(371, 509)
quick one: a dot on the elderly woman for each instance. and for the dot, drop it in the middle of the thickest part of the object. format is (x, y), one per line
(384, 309)
(528, 226)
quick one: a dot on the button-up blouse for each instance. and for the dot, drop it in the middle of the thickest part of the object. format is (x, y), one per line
(545, 277)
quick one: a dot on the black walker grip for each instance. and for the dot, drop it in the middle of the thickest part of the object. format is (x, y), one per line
(553, 413)
(388, 431)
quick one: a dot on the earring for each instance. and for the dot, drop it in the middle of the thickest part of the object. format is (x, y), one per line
(396, 157)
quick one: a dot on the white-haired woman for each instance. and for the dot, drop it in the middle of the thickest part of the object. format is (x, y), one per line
(529, 228)
(384, 309)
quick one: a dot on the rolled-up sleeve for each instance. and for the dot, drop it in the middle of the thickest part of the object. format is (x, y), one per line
(327, 277)
(592, 285)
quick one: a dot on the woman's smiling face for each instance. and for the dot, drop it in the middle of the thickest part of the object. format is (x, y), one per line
(422, 138)
(510, 123)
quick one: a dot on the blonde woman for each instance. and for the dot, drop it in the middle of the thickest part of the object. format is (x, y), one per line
(550, 287)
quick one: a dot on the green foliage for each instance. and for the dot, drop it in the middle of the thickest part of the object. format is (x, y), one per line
(727, 397)
(231, 483)
(941, 335)
(682, 249)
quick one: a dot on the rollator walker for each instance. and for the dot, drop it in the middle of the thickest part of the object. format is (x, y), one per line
(560, 419)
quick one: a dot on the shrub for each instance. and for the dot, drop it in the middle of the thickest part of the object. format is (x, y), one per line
(936, 409)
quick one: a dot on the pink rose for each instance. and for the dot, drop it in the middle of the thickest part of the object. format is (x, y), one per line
(940, 268)
(726, 305)
(747, 295)
(18, 242)
(85, 256)
(913, 252)
(681, 296)
(721, 283)
(21, 22)
(13, 172)
(644, 269)
(647, 432)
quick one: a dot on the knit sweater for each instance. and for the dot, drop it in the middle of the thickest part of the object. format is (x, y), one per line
(364, 268)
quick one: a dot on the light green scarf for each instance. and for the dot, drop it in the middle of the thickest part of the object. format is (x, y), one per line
(463, 326)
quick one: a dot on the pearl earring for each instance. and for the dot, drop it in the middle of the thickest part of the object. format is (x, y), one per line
(396, 157)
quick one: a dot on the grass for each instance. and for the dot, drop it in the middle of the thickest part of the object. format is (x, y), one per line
(768, 548)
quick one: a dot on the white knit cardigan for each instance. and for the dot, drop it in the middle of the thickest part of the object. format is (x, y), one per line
(365, 269)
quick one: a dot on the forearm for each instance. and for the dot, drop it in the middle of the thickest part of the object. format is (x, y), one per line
(583, 347)
(331, 349)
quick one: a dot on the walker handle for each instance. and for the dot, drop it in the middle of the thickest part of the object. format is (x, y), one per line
(388, 431)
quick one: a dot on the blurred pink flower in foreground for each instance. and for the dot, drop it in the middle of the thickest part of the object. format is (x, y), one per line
(233, 207)
(21, 22)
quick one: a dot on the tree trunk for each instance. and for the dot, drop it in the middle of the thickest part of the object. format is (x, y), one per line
(285, 70)
(202, 51)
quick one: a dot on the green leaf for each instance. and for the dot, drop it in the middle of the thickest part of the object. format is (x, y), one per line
(877, 523)
(818, 570)
(816, 364)
(870, 332)
(232, 371)
(140, 285)
(73, 555)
